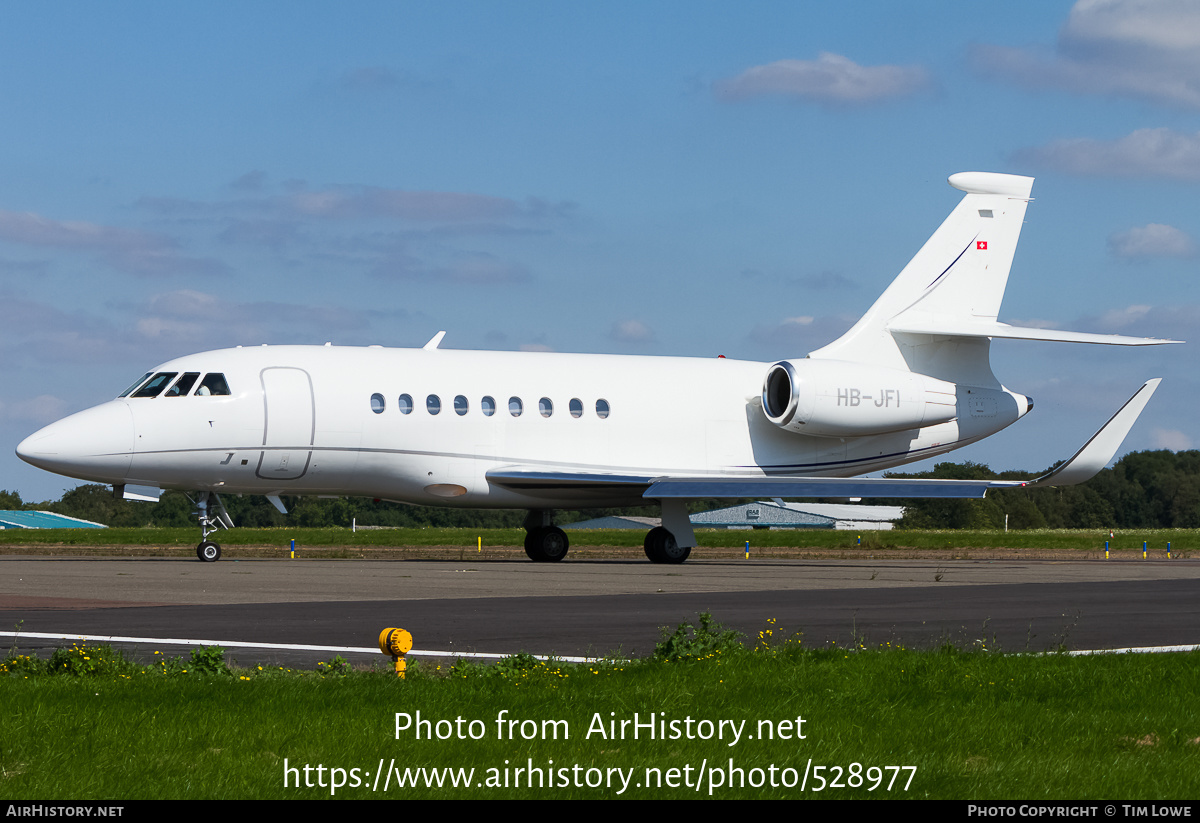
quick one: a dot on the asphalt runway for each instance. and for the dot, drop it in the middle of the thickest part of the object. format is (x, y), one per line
(593, 607)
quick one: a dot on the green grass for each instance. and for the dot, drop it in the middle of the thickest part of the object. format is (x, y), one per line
(976, 725)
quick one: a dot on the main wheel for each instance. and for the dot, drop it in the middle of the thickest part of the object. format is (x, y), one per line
(547, 544)
(661, 547)
(208, 551)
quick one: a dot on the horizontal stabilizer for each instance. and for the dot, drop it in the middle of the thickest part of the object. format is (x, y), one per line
(966, 327)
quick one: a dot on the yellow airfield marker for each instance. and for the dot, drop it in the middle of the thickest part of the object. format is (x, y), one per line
(396, 643)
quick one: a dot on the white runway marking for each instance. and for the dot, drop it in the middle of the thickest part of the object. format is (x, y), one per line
(237, 644)
(419, 653)
(1142, 650)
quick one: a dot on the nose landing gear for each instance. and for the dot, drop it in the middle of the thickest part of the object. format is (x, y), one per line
(210, 521)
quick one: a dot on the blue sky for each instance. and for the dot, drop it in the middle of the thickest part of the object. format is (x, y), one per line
(690, 178)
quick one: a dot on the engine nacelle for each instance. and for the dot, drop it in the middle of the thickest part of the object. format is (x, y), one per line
(831, 398)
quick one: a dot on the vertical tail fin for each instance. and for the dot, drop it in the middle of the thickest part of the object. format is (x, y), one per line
(958, 275)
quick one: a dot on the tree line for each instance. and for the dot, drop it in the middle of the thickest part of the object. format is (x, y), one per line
(1143, 490)
(1150, 489)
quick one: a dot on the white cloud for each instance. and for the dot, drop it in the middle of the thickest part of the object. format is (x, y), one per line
(1123, 318)
(830, 79)
(1152, 240)
(1175, 322)
(796, 336)
(1172, 439)
(128, 249)
(368, 202)
(35, 230)
(633, 332)
(251, 181)
(1143, 49)
(1160, 153)
(357, 202)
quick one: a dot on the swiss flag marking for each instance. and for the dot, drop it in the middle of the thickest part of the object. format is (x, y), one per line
(981, 244)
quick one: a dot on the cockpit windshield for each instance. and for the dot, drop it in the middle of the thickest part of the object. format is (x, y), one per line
(135, 384)
(156, 384)
(213, 385)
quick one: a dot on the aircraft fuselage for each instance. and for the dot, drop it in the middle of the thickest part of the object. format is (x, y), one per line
(426, 425)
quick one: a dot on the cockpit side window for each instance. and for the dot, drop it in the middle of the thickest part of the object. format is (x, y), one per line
(183, 385)
(213, 384)
(136, 383)
(156, 384)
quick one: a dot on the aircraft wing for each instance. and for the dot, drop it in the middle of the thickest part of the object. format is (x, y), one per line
(733, 486)
(1084, 465)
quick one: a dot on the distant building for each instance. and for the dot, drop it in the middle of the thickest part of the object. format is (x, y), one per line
(615, 522)
(770, 515)
(44, 520)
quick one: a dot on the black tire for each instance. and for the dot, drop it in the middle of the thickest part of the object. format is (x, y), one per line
(661, 547)
(208, 551)
(547, 544)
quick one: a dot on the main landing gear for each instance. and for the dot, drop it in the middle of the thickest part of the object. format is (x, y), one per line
(662, 547)
(544, 542)
(672, 541)
(669, 543)
(210, 521)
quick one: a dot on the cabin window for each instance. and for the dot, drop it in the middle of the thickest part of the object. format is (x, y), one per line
(488, 405)
(514, 406)
(377, 403)
(183, 385)
(576, 407)
(433, 404)
(461, 406)
(602, 409)
(157, 383)
(136, 383)
(405, 404)
(545, 407)
(213, 384)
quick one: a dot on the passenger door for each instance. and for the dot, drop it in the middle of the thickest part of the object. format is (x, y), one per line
(289, 423)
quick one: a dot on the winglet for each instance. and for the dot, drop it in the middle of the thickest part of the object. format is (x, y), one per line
(434, 341)
(1096, 453)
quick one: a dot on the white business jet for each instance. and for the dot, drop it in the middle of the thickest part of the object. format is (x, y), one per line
(539, 431)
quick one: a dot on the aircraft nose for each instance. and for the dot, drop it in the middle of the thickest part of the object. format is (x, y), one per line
(94, 444)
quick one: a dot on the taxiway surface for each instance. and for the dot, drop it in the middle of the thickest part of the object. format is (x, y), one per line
(592, 607)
